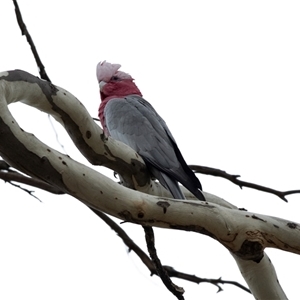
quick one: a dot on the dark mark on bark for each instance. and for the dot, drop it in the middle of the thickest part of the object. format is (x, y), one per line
(164, 205)
(197, 203)
(140, 215)
(103, 137)
(257, 218)
(251, 251)
(292, 225)
(88, 134)
(126, 215)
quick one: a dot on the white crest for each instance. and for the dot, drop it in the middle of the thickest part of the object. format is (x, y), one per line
(106, 70)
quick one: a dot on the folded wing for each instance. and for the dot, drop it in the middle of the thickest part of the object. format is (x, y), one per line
(133, 121)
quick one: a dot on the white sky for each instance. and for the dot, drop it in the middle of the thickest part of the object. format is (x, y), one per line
(225, 77)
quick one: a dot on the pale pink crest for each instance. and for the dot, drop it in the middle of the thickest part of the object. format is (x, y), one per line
(123, 75)
(106, 70)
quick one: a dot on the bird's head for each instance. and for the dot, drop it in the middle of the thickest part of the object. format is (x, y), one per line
(113, 82)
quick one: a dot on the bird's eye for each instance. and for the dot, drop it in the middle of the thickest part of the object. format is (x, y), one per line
(114, 78)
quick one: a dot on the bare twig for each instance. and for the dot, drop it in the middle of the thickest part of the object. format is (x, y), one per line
(163, 274)
(241, 183)
(193, 278)
(25, 32)
(9, 175)
(25, 190)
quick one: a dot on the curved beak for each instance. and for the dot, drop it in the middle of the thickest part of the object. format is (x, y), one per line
(101, 85)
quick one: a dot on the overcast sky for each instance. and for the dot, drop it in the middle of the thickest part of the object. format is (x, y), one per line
(225, 77)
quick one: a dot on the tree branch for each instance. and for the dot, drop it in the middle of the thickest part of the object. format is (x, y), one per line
(149, 263)
(245, 234)
(261, 278)
(26, 153)
(25, 32)
(9, 175)
(241, 183)
(127, 214)
(163, 274)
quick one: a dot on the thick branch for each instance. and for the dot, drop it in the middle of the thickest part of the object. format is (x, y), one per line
(261, 278)
(25, 152)
(85, 133)
(245, 234)
(9, 175)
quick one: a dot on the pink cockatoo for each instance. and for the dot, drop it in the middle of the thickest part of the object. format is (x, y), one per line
(127, 117)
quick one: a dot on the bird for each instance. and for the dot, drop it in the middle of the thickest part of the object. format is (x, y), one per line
(127, 117)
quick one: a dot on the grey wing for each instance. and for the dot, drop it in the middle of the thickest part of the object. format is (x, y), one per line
(133, 121)
(136, 124)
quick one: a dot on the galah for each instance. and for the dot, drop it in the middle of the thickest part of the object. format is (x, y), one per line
(127, 117)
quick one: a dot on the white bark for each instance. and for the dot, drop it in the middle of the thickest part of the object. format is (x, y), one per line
(243, 233)
(261, 278)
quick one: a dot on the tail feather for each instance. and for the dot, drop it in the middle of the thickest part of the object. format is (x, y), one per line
(172, 186)
(167, 182)
(198, 193)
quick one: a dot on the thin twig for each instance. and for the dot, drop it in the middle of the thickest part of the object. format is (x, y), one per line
(25, 190)
(25, 32)
(241, 183)
(195, 279)
(9, 175)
